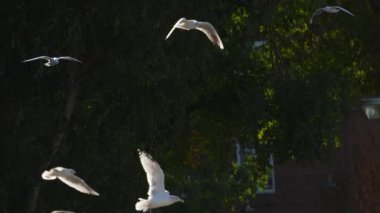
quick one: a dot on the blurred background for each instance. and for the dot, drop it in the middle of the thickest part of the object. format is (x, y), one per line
(279, 91)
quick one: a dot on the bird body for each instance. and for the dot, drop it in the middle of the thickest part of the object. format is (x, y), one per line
(157, 195)
(62, 211)
(329, 9)
(52, 61)
(204, 27)
(68, 177)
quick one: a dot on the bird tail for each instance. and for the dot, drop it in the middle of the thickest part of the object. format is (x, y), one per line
(142, 205)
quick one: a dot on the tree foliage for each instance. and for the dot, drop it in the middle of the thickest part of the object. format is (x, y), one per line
(183, 100)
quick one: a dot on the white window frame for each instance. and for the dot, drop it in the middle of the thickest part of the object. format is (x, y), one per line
(239, 157)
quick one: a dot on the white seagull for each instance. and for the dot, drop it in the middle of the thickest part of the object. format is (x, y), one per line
(68, 177)
(258, 44)
(205, 27)
(158, 196)
(329, 9)
(61, 211)
(52, 61)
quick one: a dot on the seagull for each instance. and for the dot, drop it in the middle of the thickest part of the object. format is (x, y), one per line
(52, 61)
(158, 196)
(61, 211)
(67, 176)
(205, 27)
(258, 44)
(329, 9)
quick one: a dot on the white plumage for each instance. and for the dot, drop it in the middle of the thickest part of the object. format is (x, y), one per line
(68, 177)
(62, 211)
(52, 61)
(157, 195)
(205, 27)
(329, 9)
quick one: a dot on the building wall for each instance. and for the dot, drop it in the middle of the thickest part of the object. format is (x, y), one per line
(299, 189)
(358, 164)
(350, 184)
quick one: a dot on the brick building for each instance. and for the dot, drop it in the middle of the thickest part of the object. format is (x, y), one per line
(350, 184)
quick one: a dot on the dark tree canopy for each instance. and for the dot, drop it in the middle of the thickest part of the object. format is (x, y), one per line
(183, 100)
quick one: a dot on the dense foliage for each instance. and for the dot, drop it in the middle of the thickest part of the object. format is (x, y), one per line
(183, 100)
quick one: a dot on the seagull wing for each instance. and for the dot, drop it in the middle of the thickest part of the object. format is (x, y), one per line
(211, 33)
(70, 58)
(174, 27)
(316, 13)
(61, 211)
(344, 10)
(37, 58)
(78, 184)
(155, 175)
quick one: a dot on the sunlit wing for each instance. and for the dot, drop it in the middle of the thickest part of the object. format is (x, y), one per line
(78, 184)
(69, 58)
(211, 33)
(37, 58)
(155, 175)
(173, 28)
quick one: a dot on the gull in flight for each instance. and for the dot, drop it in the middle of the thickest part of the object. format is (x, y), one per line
(158, 196)
(205, 27)
(52, 61)
(329, 9)
(68, 177)
(61, 211)
(258, 44)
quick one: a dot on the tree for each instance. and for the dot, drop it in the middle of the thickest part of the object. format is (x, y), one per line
(183, 100)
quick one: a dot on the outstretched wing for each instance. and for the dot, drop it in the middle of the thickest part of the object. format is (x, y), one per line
(155, 175)
(316, 13)
(70, 58)
(344, 10)
(211, 33)
(37, 58)
(78, 184)
(174, 27)
(61, 211)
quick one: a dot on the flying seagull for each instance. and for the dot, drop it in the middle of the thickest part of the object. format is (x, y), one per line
(52, 61)
(158, 196)
(329, 9)
(61, 211)
(68, 177)
(258, 44)
(205, 27)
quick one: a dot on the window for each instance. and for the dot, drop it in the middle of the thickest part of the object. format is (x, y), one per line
(271, 186)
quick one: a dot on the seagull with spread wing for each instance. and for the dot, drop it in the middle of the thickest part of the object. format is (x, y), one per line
(205, 27)
(52, 61)
(61, 211)
(68, 177)
(157, 195)
(329, 9)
